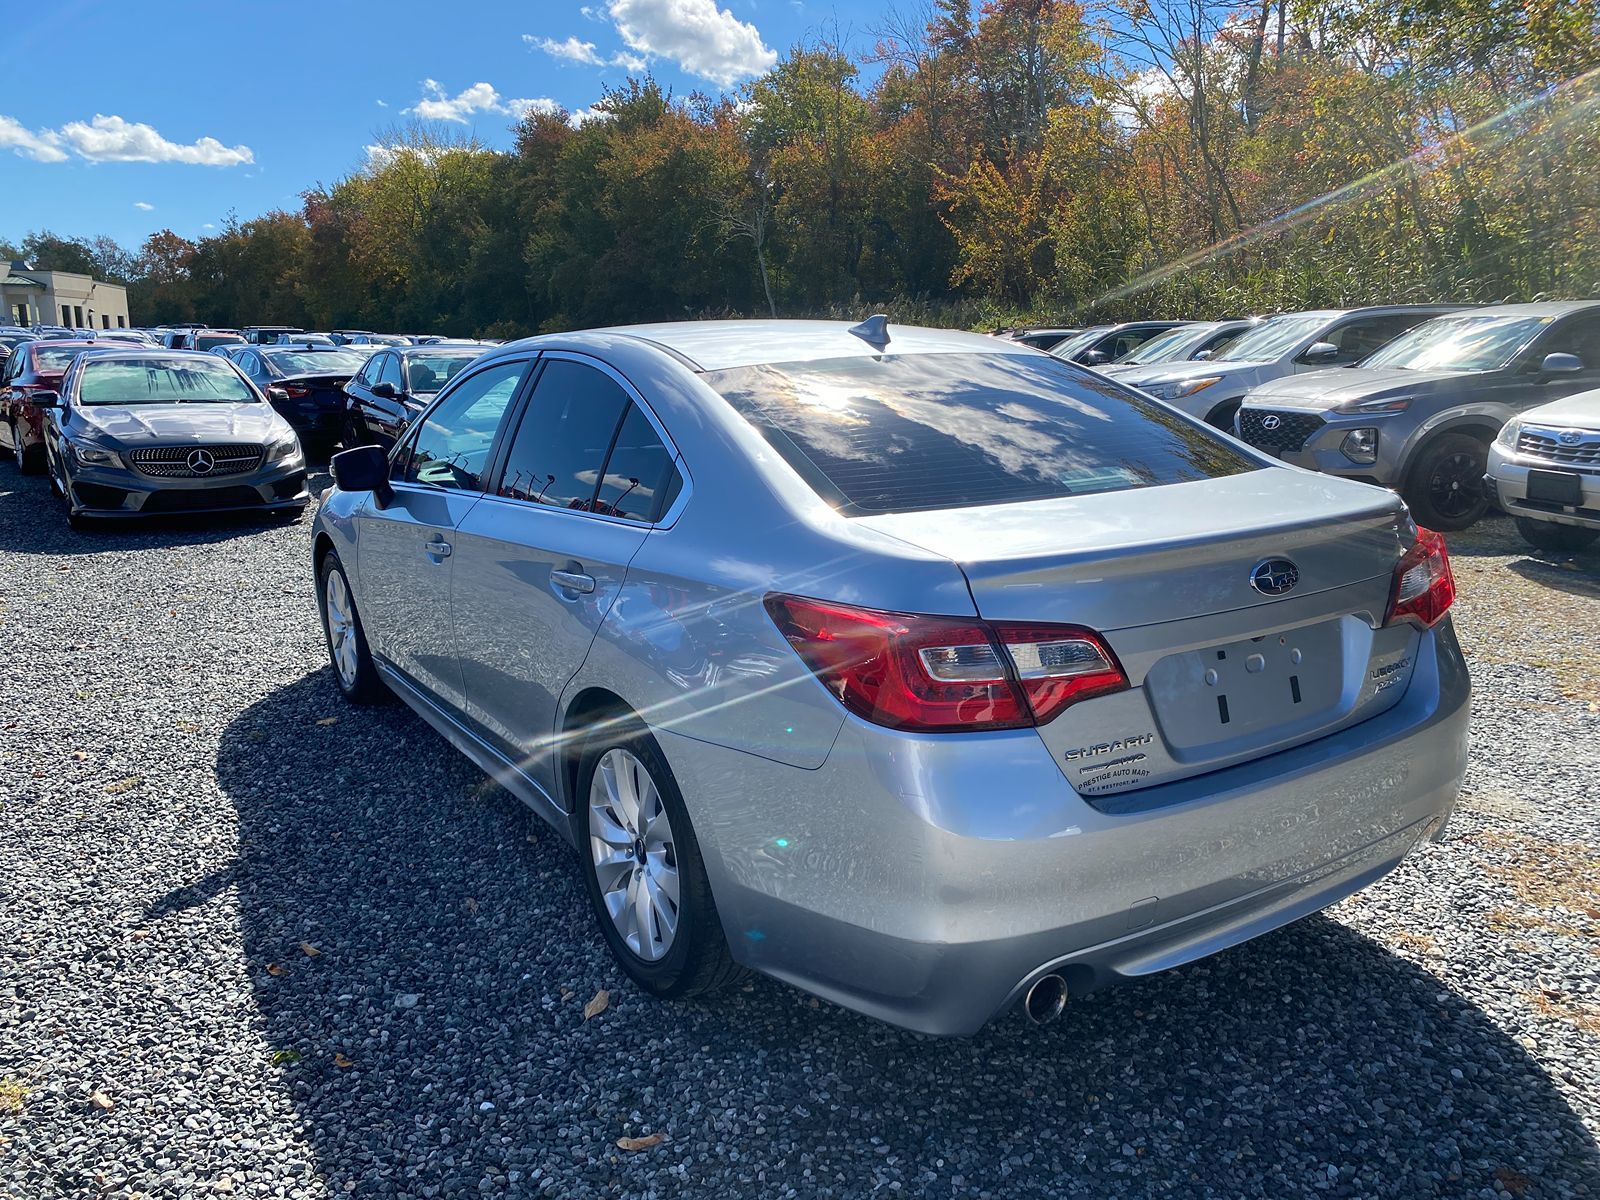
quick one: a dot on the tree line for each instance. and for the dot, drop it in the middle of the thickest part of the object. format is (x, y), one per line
(1021, 159)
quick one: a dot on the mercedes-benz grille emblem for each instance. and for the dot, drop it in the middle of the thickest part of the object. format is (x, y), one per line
(1271, 421)
(1571, 437)
(201, 462)
(1274, 576)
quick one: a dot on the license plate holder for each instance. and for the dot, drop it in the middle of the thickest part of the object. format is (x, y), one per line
(1555, 487)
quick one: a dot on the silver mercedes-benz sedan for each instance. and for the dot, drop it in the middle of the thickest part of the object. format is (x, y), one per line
(923, 670)
(132, 433)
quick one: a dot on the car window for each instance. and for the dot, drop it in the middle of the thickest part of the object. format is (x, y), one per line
(427, 373)
(1271, 340)
(452, 446)
(390, 372)
(915, 432)
(640, 480)
(1578, 335)
(368, 375)
(561, 445)
(1365, 336)
(161, 381)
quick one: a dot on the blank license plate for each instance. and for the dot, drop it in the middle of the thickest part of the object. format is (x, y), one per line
(1555, 487)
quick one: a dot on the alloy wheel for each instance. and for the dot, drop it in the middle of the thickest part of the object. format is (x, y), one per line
(341, 628)
(634, 855)
(1454, 485)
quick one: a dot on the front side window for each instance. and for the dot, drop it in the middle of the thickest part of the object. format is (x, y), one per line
(561, 445)
(451, 449)
(390, 372)
(915, 432)
(1578, 335)
(161, 381)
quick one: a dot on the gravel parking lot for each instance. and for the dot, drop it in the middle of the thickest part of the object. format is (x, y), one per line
(254, 942)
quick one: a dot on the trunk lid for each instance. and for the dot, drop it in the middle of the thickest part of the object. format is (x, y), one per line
(1220, 671)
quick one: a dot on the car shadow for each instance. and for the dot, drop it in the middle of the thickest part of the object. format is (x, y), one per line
(436, 1039)
(1578, 575)
(34, 521)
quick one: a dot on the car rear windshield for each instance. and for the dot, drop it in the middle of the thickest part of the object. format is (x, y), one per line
(1480, 342)
(315, 362)
(427, 373)
(910, 433)
(210, 341)
(161, 381)
(55, 362)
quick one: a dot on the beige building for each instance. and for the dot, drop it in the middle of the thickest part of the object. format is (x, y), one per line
(60, 298)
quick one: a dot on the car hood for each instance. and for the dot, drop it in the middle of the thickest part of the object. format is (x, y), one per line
(1345, 385)
(1581, 411)
(168, 423)
(1165, 373)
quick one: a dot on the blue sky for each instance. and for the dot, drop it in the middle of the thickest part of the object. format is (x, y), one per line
(126, 119)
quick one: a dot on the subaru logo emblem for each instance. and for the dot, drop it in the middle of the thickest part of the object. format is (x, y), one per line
(1274, 576)
(1571, 437)
(201, 462)
(1271, 421)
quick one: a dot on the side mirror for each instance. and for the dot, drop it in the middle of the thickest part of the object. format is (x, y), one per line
(363, 469)
(1096, 358)
(277, 395)
(53, 399)
(384, 391)
(1320, 352)
(1560, 364)
(1202, 356)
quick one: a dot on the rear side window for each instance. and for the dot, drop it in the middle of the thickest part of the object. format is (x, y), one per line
(918, 432)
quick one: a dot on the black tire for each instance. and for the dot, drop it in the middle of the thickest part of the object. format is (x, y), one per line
(364, 685)
(1558, 539)
(698, 960)
(27, 464)
(1445, 484)
(1221, 417)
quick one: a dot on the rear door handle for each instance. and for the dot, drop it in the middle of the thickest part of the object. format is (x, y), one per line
(438, 548)
(573, 581)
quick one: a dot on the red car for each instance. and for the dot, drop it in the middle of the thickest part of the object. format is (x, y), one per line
(33, 367)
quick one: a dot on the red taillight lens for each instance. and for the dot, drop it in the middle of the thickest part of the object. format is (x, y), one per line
(1423, 587)
(933, 674)
(296, 391)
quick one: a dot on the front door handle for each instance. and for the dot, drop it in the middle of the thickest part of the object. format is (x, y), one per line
(573, 581)
(438, 548)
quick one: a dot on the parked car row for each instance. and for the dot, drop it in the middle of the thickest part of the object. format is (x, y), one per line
(1411, 397)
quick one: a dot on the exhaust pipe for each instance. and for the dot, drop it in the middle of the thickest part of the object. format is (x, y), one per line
(1046, 999)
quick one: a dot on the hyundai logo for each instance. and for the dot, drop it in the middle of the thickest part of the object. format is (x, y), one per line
(201, 462)
(1274, 576)
(1271, 421)
(1570, 437)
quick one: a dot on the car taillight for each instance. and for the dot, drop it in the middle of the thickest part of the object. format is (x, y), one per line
(296, 391)
(1423, 586)
(942, 674)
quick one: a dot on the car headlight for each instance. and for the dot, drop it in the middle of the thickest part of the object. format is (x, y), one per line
(1177, 391)
(1360, 446)
(285, 448)
(1372, 408)
(95, 456)
(1509, 433)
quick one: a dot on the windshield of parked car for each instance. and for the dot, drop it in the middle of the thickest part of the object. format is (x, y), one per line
(314, 362)
(1271, 340)
(162, 381)
(427, 373)
(1072, 345)
(909, 433)
(1476, 342)
(1161, 348)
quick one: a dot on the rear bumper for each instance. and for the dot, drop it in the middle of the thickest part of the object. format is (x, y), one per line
(928, 882)
(1507, 485)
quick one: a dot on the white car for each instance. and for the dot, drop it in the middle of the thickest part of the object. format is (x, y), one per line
(1544, 469)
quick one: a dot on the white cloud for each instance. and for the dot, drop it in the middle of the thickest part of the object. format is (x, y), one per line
(592, 13)
(208, 225)
(143, 207)
(383, 104)
(43, 146)
(111, 139)
(700, 37)
(437, 105)
(572, 50)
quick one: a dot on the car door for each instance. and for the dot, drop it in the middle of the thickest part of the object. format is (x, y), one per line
(389, 414)
(540, 561)
(1359, 337)
(405, 548)
(361, 403)
(1577, 334)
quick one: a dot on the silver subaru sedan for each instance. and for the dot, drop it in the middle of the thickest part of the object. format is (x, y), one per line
(133, 433)
(922, 670)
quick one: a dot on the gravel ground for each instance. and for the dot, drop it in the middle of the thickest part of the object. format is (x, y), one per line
(254, 942)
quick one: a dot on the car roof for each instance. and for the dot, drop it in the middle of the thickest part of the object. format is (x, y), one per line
(436, 348)
(720, 345)
(1546, 308)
